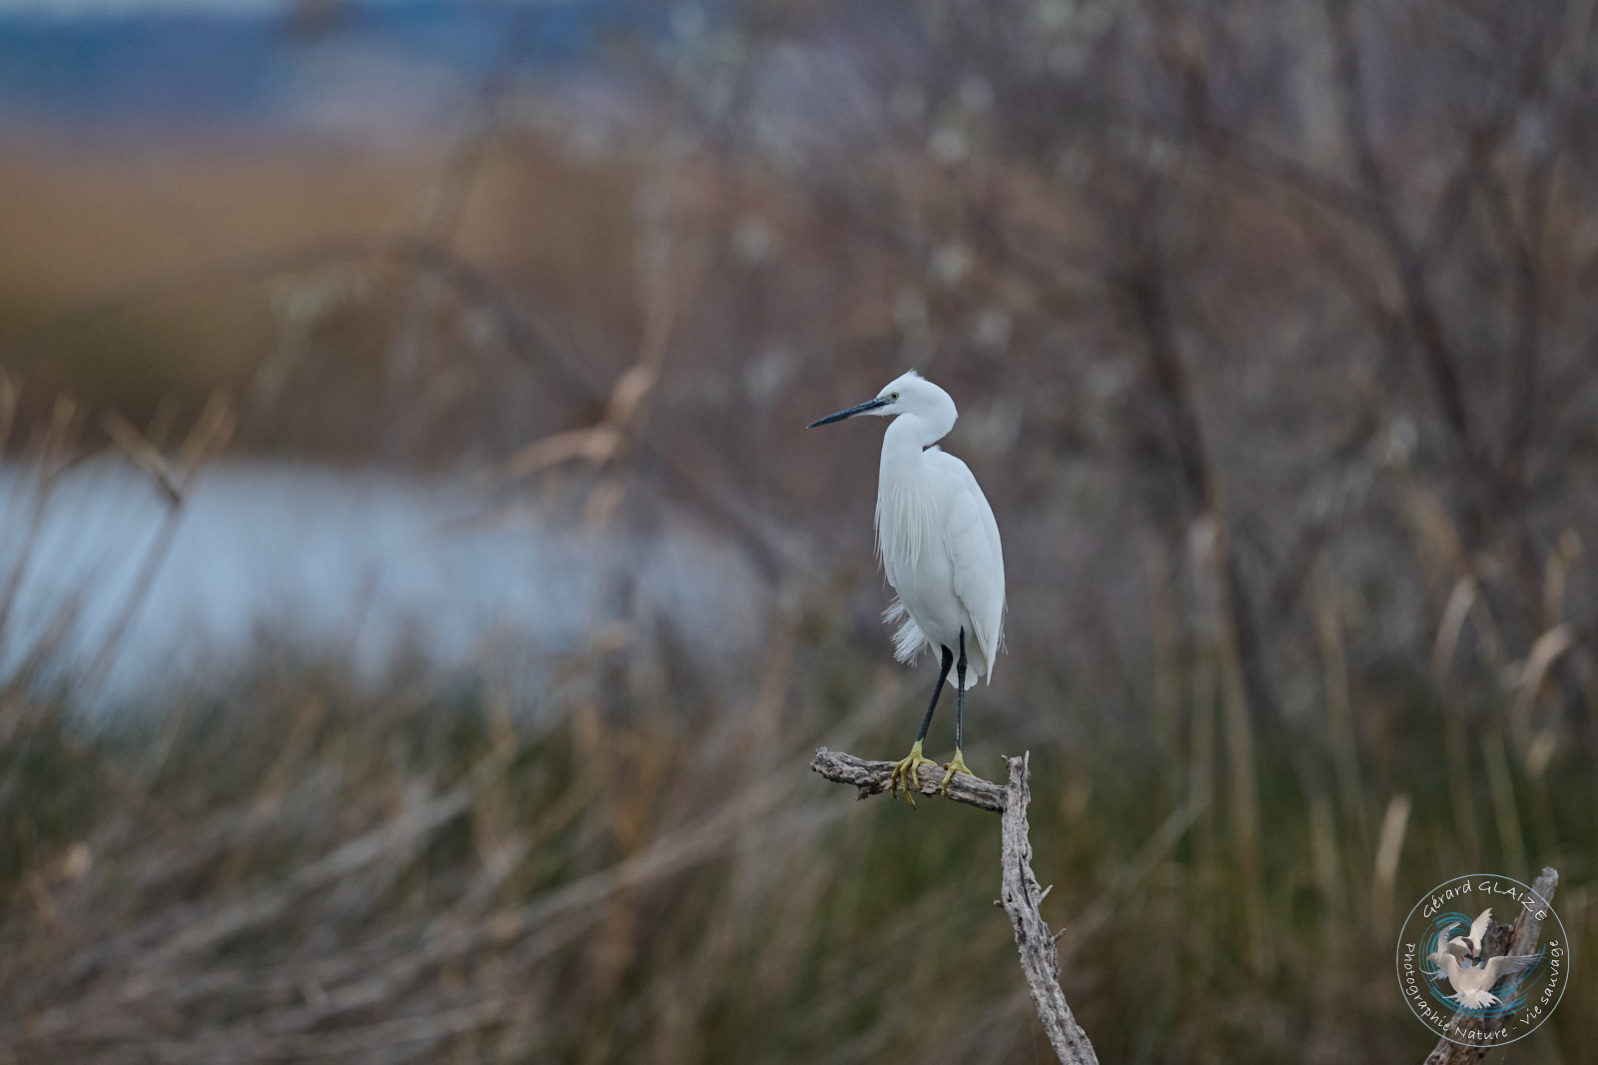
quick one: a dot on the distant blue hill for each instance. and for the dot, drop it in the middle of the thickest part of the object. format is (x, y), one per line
(198, 68)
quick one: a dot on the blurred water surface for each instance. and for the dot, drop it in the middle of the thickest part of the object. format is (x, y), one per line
(369, 569)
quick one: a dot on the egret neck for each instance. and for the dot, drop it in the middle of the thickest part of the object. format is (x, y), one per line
(903, 515)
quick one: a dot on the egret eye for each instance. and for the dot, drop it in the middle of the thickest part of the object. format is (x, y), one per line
(893, 396)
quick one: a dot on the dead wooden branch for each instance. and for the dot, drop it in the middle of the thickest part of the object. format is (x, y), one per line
(872, 779)
(1040, 959)
(1521, 938)
(1020, 894)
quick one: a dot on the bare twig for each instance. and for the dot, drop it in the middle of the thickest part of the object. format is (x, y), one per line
(1149, 301)
(1020, 893)
(1438, 355)
(872, 779)
(1501, 939)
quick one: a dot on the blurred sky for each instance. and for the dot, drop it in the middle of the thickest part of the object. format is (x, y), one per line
(96, 8)
(90, 64)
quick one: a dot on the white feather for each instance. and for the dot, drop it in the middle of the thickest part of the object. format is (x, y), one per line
(1478, 929)
(936, 535)
(909, 641)
(1473, 984)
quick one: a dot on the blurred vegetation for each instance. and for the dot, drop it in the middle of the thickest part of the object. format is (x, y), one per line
(1268, 323)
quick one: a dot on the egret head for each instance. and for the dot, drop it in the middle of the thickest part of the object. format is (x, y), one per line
(909, 393)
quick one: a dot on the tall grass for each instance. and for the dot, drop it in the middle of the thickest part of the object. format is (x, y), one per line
(1268, 336)
(308, 870)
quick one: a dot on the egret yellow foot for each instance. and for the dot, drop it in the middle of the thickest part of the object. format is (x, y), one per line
(906, 770)
(956, 766)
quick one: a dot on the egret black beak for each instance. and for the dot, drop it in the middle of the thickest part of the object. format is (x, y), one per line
(861, 408)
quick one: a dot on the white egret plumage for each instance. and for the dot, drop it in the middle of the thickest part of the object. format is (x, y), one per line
(940, 550)
(1473, 984)
(1459, 960)
(1470, 946)
(1446, 945)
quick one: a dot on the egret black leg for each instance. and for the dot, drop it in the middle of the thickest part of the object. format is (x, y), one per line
(906, 769)
(959, 698)
(958, 765)
(937, 690)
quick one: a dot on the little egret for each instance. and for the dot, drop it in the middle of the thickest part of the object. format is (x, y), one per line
(1473, 985)
(940, 550)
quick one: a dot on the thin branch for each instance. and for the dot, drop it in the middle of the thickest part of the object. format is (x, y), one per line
(1020, 893)
(528, 336)
(447, 204)
(872, 778)
(1149, 298)
(1040, 958)
(1426, 323)
(1500, 939)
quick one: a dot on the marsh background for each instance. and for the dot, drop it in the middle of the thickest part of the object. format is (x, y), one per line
(419, 599)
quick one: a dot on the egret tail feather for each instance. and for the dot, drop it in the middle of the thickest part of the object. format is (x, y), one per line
(1477, 1000)
(909, 641)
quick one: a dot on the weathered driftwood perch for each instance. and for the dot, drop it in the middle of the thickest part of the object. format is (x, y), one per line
(872, 779)
(1519, 938)
(1020, 895)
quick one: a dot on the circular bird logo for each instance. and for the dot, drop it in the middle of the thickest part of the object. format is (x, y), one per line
(1476, 980)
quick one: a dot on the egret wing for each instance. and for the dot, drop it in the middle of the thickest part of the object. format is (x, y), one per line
(1448, 968)
(1442, 939)
(1478, 929)
(1506, 965)
(977, 559)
